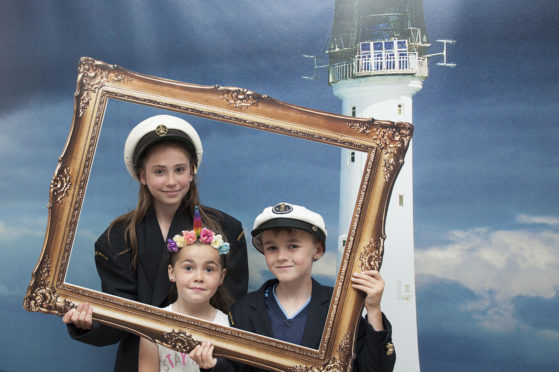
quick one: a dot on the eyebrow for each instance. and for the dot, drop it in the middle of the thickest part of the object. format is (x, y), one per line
(291, 240)
(172, 166)
(192, 261)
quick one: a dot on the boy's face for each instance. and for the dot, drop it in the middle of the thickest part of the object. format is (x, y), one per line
(290, 253)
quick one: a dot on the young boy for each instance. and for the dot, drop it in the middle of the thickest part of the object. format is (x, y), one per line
(293, 306)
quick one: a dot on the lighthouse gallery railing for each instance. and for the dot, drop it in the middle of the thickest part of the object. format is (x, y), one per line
(382, 63)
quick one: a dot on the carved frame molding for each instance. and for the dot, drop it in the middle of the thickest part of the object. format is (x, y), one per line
(385, 142)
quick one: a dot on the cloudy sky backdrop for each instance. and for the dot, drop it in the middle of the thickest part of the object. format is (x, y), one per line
(485, 157)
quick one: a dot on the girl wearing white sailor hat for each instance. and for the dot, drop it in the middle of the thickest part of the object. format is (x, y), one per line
(160, 128)
(163, 154)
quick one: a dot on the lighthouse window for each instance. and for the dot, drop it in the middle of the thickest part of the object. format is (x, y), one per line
(377, 45)
(378, 59)
(388, 45)
(352, 157)
(390, 60)
(400, 110)
(402, 44)
(401, 200)
(403, 60)
(353, 111)
(365, 48)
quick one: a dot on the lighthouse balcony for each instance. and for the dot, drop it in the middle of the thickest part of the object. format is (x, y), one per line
(407, 63)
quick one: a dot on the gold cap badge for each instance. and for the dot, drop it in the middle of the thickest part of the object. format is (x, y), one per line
(161, 130)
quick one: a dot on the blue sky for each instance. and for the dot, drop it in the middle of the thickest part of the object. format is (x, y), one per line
(486, 174)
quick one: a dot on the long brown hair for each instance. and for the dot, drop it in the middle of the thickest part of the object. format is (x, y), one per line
(210, 218)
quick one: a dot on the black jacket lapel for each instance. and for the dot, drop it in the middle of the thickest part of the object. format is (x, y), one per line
(316, 317)
(150, 247)
(181, 221)
(259, 315)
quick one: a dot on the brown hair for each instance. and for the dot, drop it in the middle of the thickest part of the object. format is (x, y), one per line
(221, 299)
(209, 217)
(291, 231)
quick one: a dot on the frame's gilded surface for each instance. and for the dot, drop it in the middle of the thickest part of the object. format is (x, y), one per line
(385, 142)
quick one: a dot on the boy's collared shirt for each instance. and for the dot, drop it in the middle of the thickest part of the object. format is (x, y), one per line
(285, 328)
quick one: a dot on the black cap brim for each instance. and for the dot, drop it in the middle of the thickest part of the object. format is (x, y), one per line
(152, 138)
(287, 223)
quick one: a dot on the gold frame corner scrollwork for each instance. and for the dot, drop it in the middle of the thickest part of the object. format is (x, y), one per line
(385, 143)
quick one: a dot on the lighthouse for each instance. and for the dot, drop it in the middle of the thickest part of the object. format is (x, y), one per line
(376, 62)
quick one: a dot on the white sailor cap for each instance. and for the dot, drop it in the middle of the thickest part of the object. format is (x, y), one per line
(288, 216)
(158, 128)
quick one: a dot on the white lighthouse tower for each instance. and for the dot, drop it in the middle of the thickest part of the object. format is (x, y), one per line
(377, 62)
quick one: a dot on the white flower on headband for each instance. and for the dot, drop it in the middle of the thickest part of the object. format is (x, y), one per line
(221, 246)
(217, 241)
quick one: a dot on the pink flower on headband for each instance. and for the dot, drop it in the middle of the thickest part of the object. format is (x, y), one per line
(206, 236)
(189, 237)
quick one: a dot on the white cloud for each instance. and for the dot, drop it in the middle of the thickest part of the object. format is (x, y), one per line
(497, 265)
(4, 291)
(545, 220)
(509, 262)
(327, 265)
(492, 313)
(20, 246)
(256, 265)
(26, 228)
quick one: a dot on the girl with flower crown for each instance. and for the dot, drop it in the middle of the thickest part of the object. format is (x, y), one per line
(197, 268)
(163, 154)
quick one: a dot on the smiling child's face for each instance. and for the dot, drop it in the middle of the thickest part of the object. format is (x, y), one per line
(167, 173)
(197, 272)
(290, 254)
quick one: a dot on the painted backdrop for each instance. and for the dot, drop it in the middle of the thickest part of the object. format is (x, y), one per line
(485, 157)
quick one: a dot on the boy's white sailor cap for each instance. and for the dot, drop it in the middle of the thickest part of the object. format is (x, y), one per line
(288, 216)
(158, 128)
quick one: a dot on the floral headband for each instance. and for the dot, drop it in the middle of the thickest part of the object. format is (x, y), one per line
(190, 237)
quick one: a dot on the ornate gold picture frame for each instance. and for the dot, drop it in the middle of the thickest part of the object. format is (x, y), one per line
(385, 142)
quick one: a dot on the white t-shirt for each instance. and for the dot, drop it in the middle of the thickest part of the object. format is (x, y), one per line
(171, 360)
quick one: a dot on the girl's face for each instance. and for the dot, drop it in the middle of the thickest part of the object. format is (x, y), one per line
(198, 273)
(167, 173)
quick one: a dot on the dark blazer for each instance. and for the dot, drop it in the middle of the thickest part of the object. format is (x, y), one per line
(250, 314)
(149, 283)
